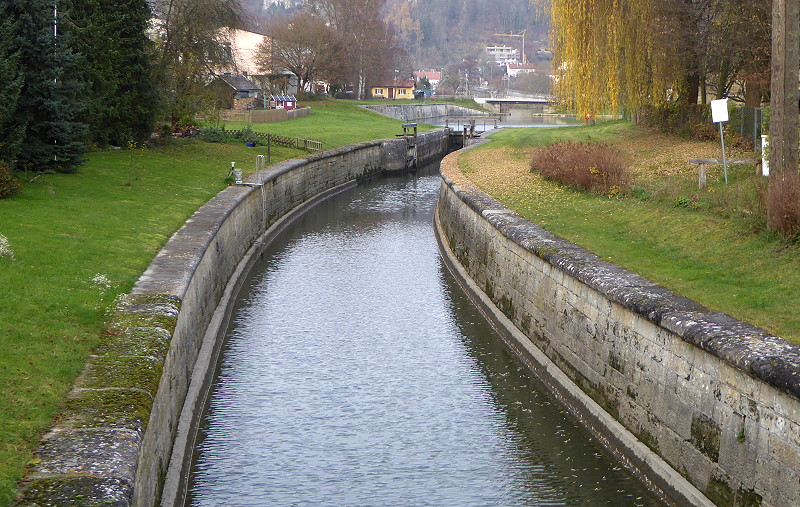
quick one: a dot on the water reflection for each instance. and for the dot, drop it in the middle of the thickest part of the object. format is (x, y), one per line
(357, 373)
(517, 118)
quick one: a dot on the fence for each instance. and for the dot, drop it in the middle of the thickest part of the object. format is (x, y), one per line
(263, 115)
(747, 122)
(289, 142)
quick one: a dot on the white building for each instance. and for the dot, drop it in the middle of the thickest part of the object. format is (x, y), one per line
(503, 54)
(515, 69)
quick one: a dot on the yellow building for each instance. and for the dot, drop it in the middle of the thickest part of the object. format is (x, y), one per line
(398, 89)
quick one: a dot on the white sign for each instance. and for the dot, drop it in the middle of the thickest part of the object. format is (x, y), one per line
(719, 110)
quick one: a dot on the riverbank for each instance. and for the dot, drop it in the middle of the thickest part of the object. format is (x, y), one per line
(80, 240)
(694, 242)
(679, 391)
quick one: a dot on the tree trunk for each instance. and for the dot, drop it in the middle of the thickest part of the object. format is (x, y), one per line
(782, 197)
(752, 93)
(692, 87)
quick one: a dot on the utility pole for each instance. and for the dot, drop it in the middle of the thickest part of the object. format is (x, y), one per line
(784, 100)
(784, 97)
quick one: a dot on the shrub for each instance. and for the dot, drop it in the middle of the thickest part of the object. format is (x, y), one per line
(783, 204)
(9, 185)
(246, 134)
(592, 166)
(214, 134)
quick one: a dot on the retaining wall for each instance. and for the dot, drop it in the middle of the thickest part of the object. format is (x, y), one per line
(714, 399)
(125, 435)
(419, 112)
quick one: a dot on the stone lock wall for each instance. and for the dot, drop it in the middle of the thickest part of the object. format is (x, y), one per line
(420, 112)
(715, 399)
(126, 433)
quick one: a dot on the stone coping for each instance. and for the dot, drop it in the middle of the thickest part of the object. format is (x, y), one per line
(751, 349)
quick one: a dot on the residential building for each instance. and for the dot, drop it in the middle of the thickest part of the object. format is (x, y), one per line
(514, 69)
(234, 92)
(396, 89)
(503, 54)
(434, 76)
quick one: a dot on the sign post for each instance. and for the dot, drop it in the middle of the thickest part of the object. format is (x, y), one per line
(719, 114)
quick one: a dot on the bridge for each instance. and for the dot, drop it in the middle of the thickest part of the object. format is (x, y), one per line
(537, 103)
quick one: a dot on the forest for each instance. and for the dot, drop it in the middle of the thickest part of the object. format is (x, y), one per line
(436, 33)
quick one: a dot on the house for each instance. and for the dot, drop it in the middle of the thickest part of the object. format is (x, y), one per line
(514, 69)
(434, 76)
(243, 50)
(397, 89)
(234, 92)
(287, 102)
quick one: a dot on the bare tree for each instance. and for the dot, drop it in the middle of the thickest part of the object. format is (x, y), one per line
(368, 42)
(305, 45)
(193, 39)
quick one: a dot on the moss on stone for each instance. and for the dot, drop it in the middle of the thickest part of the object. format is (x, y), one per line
(76, 492)
(151, 342)
(489, 289)
(120, 408)
(706, 436)
(131, 320)
(605, 397)
(506, 305)
(147, 310)
(525, 324)
(647, 439)
(748, 498)
(133, 372)
(616, 362)
(721, 494)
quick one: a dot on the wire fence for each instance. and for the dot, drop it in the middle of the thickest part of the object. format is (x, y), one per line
(289, 142)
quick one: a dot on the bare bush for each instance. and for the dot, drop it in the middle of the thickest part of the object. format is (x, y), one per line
(783, 204)
(592, 166)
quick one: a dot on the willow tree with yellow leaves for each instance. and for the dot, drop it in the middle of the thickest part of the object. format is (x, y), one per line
(613, 54)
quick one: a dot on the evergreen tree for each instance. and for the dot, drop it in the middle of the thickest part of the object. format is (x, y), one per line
(11, 130)
(51, 98)
(116, 55)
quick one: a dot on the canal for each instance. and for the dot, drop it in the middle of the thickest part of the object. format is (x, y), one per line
(356, 372)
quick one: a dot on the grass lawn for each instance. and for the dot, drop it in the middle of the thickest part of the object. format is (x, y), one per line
(79, 240)
(334, 122)
(701, 244)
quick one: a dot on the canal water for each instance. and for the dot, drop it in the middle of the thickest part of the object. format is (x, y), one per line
(357, 373)
(516, 118)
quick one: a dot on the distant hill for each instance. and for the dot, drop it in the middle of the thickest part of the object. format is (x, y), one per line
(435, 32)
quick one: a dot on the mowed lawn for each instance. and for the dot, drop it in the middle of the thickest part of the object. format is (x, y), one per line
(701, 244)
(335, 123)
(81, 239)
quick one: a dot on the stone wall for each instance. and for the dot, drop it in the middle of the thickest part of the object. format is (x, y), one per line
(126, 434)
(714, 399)
(420, 112)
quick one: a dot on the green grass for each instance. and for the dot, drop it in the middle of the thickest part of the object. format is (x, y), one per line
(334, 122)
(110, 219)
(712, 257)
(527, 137)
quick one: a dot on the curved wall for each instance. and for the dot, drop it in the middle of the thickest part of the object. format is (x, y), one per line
(419, 112)
(662, 381)
(124, 436)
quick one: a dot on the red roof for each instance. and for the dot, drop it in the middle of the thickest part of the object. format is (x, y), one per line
(432, 75)
(399, 83)
(521, 66)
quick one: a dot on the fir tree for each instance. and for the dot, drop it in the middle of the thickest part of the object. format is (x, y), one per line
(11, 129)
(51, 98)
(116, 55)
